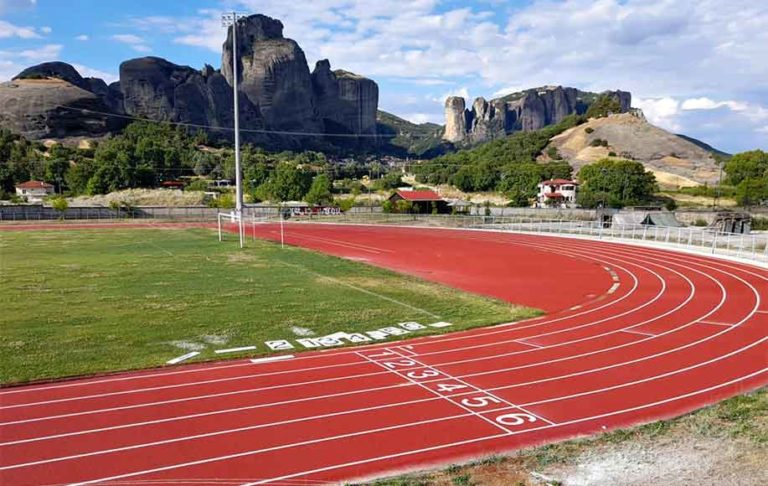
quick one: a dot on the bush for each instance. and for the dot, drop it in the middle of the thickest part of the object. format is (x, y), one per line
(760, 224)
(197, 185)
(598, 142)
(700, 222)
(589, 130)
(60, 204)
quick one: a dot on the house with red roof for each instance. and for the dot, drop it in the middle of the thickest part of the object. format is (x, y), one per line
(34, 191)
(557, 193)
(422, 201)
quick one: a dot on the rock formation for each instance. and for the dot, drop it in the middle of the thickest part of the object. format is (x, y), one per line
(278, 93)
(273, 74)
(525, 111)
(53, 108)
(346, 102)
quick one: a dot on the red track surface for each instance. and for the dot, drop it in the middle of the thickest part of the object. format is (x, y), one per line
(680, 331)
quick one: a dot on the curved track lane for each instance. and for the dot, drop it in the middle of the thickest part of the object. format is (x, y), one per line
(632, 334)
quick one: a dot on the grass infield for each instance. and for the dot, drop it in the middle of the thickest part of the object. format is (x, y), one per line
(78, 302)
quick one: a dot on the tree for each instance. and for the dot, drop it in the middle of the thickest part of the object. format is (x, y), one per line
(288, 183)
(752, 191)
(603, 106)
(615, 183)
(747, 165)
(320, 191)
(60, 204)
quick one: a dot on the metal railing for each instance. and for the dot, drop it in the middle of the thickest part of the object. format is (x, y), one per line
(748, 246)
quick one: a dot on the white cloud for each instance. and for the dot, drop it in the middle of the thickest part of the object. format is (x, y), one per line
(48, 52)
(137, 43)
(509, 90)
(82, 37)
(8, 29)
(15, 6)
(754, 112)
(662, 112)
(13, 62)
(762, 129)
(420, 118)
(88, 72)
(46, 30)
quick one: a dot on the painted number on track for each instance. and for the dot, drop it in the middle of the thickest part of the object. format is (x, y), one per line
(422, 374)
(515, 419)
(479, 402)
(403, 363)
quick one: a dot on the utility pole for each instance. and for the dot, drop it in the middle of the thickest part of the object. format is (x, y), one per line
(227, 20)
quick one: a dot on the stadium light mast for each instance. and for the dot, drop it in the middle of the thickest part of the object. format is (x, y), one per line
(227, 20)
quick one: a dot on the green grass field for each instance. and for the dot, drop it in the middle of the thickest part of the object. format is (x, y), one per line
(76, 302)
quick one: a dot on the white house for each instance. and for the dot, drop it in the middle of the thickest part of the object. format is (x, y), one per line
(34, 191)
(558, 193)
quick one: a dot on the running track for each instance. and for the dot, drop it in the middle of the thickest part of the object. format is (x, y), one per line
(631, 335)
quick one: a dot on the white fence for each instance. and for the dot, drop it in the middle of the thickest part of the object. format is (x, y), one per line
(750, 246)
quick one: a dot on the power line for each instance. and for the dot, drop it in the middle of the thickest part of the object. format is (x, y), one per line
(228, 129)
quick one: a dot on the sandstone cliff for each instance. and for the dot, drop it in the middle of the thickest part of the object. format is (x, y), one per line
(53, 108)
(346, 102)
(273, 74)
(525, 111)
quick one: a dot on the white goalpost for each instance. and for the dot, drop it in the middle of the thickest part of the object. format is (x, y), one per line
(234, 217)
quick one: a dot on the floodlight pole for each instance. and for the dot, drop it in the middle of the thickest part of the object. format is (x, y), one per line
(230, 19)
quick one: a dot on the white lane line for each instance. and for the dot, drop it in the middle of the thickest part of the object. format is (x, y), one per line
(614, 288)
(384, 429)
(713, 323)
(235, 350)
(272, 359)
(173, 361)
(641, 333)
(456, 444)
(520, 341)
(209, 434)
(275, 448)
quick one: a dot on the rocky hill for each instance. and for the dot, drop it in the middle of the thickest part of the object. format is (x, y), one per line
(523, 111)
(407, 139)
(676, 161)
(279, 94)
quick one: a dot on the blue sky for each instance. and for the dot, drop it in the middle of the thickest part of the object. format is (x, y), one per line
(698, 67)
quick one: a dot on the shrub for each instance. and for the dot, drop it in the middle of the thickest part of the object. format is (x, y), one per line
(700, 222)
(589, 130)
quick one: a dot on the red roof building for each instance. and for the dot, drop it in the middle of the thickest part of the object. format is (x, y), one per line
(34, 185)
(418, 195)
(560, 192)
(34, 191)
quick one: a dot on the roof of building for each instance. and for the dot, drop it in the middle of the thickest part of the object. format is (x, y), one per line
(558, 182)
(419, 195)
(34, 185)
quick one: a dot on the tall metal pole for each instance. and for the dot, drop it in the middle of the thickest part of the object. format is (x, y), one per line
(238, 171)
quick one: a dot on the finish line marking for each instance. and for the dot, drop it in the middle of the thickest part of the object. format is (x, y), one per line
(475, 400)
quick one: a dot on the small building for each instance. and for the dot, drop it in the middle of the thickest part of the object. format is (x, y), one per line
(557, 193)
(34, 191)
(422, 201)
